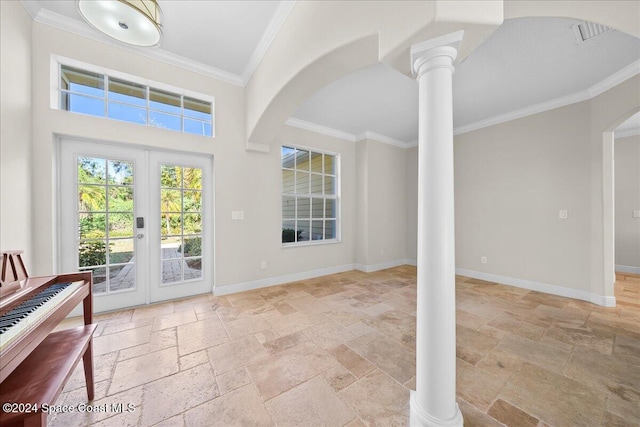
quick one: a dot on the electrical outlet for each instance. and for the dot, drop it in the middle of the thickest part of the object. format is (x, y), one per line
(483, 260)
(563, 214)
(263, 265)
(636, 214)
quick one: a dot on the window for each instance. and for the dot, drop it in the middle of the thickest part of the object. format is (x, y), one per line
(309, 196)
(104, 96)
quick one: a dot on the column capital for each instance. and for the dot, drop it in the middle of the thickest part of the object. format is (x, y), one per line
(439, 52)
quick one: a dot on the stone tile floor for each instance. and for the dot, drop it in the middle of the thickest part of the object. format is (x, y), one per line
(339, 350)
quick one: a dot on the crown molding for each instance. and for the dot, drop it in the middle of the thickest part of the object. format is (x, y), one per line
(324, 130)
(626, 133)
(47, 17)
(281, 14)
(381, 138)
(595, 90)
(615, 79)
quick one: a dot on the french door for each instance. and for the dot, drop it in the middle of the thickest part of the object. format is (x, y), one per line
(140, 220)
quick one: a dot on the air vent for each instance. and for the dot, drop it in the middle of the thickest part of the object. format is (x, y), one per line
(588, 30)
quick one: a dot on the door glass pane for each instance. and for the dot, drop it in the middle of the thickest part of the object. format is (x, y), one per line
(171, 224)
(171, 200)
(120, 251)
(92, 253)
(91, 170)
(171, 247)
(192, 201)
(99, 279)
(120, 173)
(105, 222)
(192, 247)
(170, 176)
(120, 225)
(171, 271)
(92, 226)
(122, 277)
(181, 223)
(193, 178)
(92, 198)
(192, 268)
(121, 199)
(192, 224)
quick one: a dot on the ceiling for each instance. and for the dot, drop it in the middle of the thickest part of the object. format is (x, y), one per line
(526, 62)
(224, 36)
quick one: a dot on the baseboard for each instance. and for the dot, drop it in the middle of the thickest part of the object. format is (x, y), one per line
(627, 269)
(279, 280)
(382, 266)
(541, 287)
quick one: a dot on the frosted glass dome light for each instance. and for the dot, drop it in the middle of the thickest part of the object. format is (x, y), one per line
(134, 22)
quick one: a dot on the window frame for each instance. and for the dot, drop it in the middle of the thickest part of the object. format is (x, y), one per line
(57, 63)
(336, 197)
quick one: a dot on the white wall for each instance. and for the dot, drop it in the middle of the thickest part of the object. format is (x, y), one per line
(511, 180)
(411, 168)
(627, 200)
(244, 180)
(382, 205)
(15, 132)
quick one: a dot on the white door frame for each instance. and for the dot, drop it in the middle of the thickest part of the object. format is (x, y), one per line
(148, 279)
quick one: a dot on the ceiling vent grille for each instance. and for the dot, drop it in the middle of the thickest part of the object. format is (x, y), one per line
(588, 30)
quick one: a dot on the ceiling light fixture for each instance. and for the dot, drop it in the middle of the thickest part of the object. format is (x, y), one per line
(134, 22)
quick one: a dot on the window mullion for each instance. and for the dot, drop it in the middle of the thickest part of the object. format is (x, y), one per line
(106, 95)
(148, 104)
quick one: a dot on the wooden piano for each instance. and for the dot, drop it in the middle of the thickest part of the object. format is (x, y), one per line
(35, 362)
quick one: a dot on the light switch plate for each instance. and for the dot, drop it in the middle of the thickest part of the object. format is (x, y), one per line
(237, 215)
(636, 214)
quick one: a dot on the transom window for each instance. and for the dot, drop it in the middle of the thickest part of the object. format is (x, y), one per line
(100, 95)
(309, 196)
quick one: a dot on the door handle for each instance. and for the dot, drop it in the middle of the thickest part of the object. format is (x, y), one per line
(140, 235)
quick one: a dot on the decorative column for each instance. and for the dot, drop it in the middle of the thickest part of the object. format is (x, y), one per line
(434, 401)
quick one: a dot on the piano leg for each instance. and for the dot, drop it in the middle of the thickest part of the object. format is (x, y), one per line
(87, 360)
(37, 419)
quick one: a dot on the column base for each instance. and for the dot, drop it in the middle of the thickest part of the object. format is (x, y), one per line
(419, 418)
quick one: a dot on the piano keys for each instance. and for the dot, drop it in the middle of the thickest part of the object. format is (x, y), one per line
(35, 363)
(18, 321)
